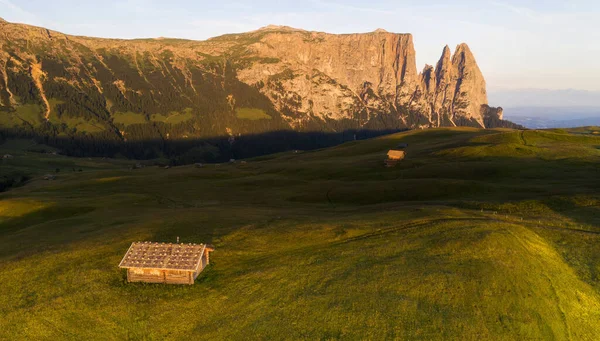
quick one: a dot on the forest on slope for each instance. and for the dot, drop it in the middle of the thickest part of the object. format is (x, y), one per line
(233, 96)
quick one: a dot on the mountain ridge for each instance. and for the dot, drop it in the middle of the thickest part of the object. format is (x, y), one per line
(276, 78)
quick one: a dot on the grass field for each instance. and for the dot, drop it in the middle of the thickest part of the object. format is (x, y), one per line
(28, 114)
(129, 118)
(251, 114)
(477, 234)
(174, 117)
(80, 124)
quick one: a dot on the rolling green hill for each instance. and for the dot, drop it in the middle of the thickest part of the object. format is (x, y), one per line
(477, 234)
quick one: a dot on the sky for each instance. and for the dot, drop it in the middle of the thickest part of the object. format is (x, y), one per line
(527, 44)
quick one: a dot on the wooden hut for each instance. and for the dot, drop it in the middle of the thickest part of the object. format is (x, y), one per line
(165, 262)
(393, 157)
(49, 177)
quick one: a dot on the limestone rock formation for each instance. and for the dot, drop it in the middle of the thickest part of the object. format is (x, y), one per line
(455, 91)
(334, 76)
(339, 76)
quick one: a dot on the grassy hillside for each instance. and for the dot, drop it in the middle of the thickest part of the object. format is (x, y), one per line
(477, 234)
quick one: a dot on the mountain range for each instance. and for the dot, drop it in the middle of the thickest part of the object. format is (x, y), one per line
(578, 100)
(543, 117)
(235, 95)
(540, 122)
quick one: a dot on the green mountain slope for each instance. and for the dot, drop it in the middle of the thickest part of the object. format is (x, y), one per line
(488, 234)
(153, 97)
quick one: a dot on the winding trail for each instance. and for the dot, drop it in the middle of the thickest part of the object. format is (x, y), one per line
(563, 315)
(522, 137)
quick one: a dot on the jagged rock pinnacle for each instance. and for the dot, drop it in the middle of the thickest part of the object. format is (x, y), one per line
(446, 51)
(462, 47)
(443, 65)
(463, 52)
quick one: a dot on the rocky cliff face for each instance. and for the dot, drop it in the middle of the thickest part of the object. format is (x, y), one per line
(272, 79)
(340, 76)
(334, 76)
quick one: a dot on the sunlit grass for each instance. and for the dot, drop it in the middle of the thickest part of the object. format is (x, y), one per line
(17, 208)
(252, 114)
(467, 238)
(110, 179)
(25, 114)
(174, 117)
(129, 118)
(30, 113)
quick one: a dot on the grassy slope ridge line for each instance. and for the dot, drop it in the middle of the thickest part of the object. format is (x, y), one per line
(475, 235)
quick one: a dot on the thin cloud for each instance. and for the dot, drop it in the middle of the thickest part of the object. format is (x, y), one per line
(139, 7)
(339, 6)
(21, 14)
(12, 6)
(236, 6)
(521, 11)
(221, 24)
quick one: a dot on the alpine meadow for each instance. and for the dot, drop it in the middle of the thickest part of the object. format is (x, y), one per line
(283, 184)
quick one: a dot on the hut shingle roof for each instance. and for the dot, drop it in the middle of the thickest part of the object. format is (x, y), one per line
(164, 256)
(395, 154)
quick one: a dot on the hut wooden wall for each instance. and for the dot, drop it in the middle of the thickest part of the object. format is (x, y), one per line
(149, 276)
(179, 277)
(202, 265)
(160, 276)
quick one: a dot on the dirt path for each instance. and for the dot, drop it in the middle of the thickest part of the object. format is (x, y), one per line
(522, 136)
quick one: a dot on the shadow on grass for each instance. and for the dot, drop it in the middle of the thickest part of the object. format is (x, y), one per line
(25, 235)
(582, 210)
(42, 216)
(203, 149)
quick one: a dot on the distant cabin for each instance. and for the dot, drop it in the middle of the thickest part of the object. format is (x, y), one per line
(152, 262)
(49, 177)
(393, 157)
(402, 146)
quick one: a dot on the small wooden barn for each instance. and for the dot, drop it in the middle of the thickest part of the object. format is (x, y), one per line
(49, 177)
(165, 262)
(393, 157)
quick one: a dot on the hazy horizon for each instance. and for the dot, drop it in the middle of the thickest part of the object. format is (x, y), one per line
(569, 99)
